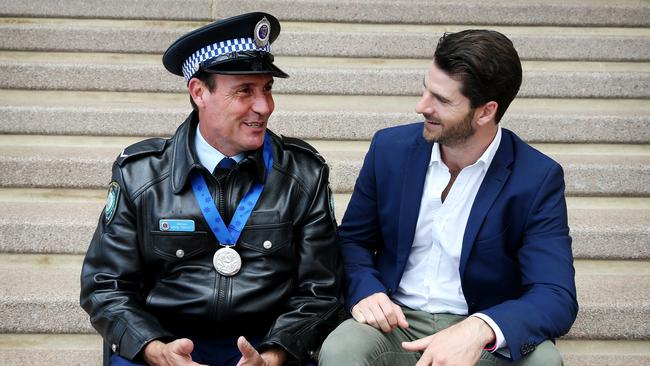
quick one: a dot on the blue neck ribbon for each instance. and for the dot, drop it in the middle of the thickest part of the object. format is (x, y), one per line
(228, 236)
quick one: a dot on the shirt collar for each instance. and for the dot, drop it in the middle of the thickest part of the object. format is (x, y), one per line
(484, 160)
(207, 155)
(489, 153)
(185, 158)
(436, 157)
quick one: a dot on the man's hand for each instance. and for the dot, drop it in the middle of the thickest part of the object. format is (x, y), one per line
(176, 353)
(378, 311)
(250, 356)
(459, 345)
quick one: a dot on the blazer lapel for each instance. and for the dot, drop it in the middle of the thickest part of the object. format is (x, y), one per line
(495, 178)
(417, 162)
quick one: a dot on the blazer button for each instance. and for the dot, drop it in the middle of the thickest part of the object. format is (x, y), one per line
(527, 348)
(114, 347)
(267, 245)
(180, 253)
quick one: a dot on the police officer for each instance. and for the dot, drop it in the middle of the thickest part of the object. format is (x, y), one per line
(217, 246)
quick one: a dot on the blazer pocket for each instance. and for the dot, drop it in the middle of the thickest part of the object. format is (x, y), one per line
(491, 235)
(175, 246)
(499, 248)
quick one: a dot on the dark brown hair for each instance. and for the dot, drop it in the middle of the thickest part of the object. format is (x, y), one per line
(485, 62)
(210, 82)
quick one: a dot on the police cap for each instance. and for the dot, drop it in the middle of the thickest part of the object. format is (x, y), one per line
(236, 46)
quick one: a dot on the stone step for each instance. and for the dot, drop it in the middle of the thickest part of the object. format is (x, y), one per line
(598, 283)
(568, 12)
(144, 9)
(51, 349)
(86, 350)
(604, 353)
(333, 117)
(324, 39)
(85, 162)
(529, 12)
(38, 287)
(131, 72)
(63, 221)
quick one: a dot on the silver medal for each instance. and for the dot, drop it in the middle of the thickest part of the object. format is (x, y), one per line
(227, 261)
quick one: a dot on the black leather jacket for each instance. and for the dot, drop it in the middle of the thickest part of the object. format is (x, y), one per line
(139, 283)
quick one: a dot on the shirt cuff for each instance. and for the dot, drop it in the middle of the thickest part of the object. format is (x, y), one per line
(500, 341)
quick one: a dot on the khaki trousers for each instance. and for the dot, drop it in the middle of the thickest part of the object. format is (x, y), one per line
(355, 344)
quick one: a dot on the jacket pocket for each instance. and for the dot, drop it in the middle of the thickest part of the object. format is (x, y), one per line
(175, 246)
(267, 239)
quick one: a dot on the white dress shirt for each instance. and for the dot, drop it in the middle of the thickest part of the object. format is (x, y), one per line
(431, 279)
(208, 156)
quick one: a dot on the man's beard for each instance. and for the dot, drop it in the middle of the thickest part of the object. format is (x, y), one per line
(453, 134)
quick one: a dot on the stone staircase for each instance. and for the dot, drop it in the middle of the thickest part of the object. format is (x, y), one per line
(82, 79)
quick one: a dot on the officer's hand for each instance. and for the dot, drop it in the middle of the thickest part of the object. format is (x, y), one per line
(459, 345)
(379, 311)
(250, 356)
(176, 353)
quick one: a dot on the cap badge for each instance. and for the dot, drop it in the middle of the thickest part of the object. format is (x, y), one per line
(262, 32)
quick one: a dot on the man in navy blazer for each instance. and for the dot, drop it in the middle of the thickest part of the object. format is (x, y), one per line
(455, 242)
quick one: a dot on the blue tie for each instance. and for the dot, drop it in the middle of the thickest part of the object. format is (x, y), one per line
(226, 163)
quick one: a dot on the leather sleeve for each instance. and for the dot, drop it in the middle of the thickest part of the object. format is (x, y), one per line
(112, 280)
(312, 310)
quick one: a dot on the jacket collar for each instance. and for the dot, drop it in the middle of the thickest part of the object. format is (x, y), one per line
(184, 159)
(254, 161)
(418, 158)
(493, 182)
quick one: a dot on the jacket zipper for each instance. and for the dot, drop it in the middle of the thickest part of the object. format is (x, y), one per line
(223, 281)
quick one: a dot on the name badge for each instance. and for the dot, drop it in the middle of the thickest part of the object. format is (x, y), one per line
(176, 225)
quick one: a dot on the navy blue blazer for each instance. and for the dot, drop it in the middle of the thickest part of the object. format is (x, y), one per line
(516, 264)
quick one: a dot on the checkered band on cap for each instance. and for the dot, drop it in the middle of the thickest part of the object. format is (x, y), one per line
(218, 49)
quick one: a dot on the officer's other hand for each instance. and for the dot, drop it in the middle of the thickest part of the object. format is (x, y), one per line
(176, 353)
(378, 311)
(459, 345)
(250, 356)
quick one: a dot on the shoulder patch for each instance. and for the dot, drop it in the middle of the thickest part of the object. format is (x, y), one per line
(332, 210)
(112, 198)
(294, 143)
(145, 147)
